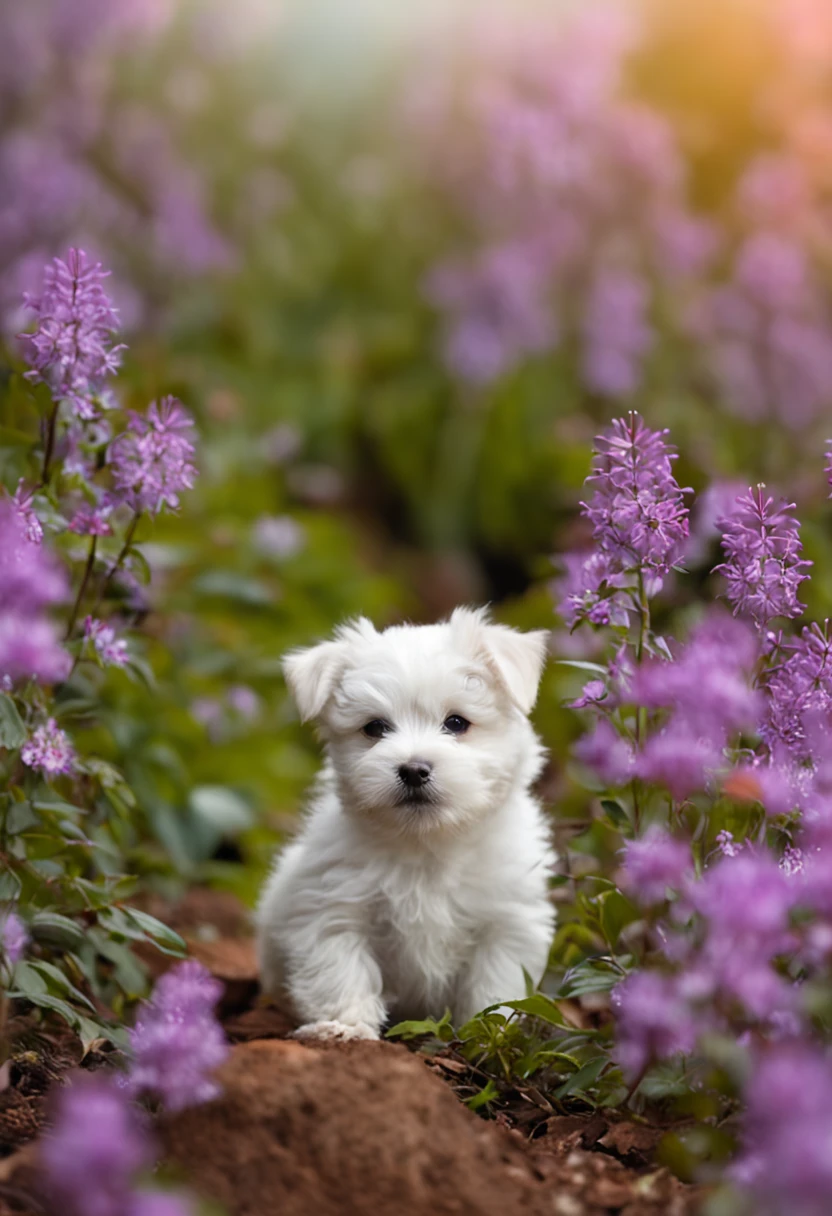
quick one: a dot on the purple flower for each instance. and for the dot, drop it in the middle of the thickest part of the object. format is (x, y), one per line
(244, 701)
(93, 1150)
(638, 514)
(13, 937)
(677, 758)
(763, 567)
(49, 749)
(71, 348)
(653, 864)
(591, 591)
(30, 579)
(745, 903)
(159, 1203)
(607, 753)
(616, 333)
(786, 1162)
(177, 1042)
(91, 521)
(707, 684)
(593, 692)
(765, 783)
(109, 648)
(22, 500)
(278, 536)
(799, 690)
(30, 649)
(653, 1019)
(151, 460)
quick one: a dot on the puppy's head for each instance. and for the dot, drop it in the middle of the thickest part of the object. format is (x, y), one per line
(426, 725)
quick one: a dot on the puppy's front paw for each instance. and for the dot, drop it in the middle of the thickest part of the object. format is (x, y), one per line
(335, 1030)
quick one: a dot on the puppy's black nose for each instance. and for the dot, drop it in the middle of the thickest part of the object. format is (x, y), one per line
(415, 773)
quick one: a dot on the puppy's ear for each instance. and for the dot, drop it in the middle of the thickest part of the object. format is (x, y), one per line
(312, 672)
(515, 658)
(518, 659)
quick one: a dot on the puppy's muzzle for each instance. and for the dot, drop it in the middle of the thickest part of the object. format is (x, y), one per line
(415, 774)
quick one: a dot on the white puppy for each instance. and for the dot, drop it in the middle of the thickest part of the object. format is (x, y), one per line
(419, 879)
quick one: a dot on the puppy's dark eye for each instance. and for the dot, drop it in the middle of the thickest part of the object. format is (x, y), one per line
(455, 724)
(376, 729)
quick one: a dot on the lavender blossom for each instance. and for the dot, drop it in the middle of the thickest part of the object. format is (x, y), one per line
(22, 500)
(13, 937)
(798, 688)
(708, 683)
(591, 591)
(94, 1148)
(111, 650)
(745, 903)
(30, 579)
(49, 749)
(607, 753)
(763, 567)
(616, 333)
(653, 1020)
(177, 1042)
(159, 1203)
(91, 521)
(653, 864)
(678, 759)
(638, 514)
(278, 536)
(786, 1163)
(71, 349)
(151, 460)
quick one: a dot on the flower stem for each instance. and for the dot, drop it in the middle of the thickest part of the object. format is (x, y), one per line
(84, 581)
(50, 443)
(128, 540)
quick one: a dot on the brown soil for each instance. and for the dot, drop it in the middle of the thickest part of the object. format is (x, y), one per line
(347, 1129)
(359, 1128)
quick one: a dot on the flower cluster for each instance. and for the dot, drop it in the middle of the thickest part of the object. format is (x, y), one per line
(558, 259)
(98, 1143)
(637, 511)
(102, 637)
(97, 1147)
(763, 567)
(706, 688)
(49, 749)
(785, 1163)
(151, 459)
(639, 522)
(177, 1043)
(30, 581)
(72, 348)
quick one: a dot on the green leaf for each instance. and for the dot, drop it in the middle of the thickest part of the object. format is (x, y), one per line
(418, 1029)
(489, 1093)
(164, 938)
(221, 808)
(19, 817)
(582, 665)
(615, 812)
(57, 930)
(538, 1006)
(583, 1078)
(55, 978)
(12, 730)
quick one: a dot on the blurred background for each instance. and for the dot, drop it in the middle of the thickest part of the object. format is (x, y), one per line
(403, 262)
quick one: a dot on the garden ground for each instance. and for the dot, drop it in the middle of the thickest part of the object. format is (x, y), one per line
(351, 1128)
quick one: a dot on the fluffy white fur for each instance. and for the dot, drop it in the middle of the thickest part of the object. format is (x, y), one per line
(385, 907)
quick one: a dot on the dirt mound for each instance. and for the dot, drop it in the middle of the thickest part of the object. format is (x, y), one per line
(343, 1131)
